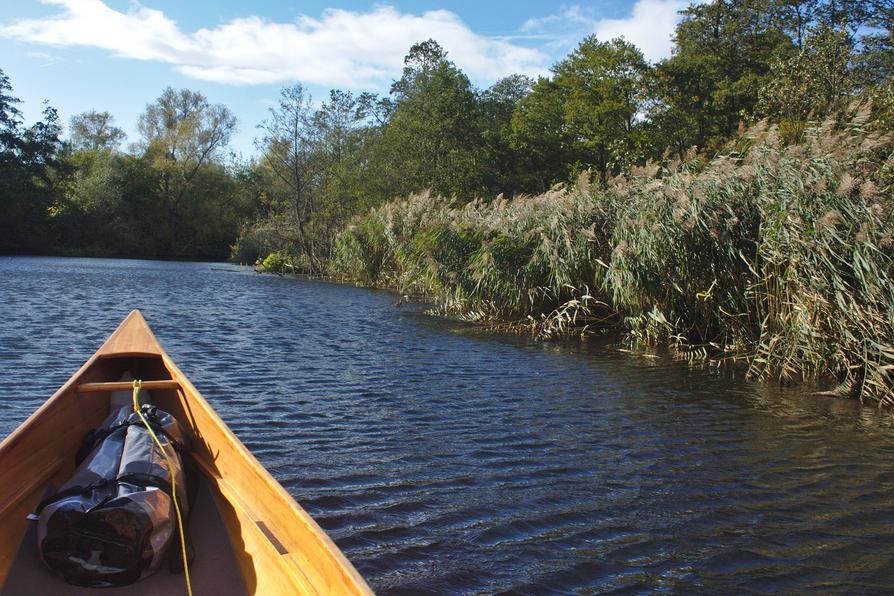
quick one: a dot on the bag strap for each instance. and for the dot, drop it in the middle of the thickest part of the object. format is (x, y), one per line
(69, 492)
(141, 480)
(96, 436)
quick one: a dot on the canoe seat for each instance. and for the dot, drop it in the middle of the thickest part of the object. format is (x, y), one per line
(215, 569)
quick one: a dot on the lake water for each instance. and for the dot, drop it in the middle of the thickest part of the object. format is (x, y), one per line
(444, 459)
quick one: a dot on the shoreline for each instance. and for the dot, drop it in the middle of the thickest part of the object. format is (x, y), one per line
(695, 358)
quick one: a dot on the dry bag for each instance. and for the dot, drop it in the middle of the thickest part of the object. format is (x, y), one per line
(112, 523)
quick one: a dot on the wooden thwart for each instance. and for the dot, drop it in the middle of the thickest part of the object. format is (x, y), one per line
(126, 386)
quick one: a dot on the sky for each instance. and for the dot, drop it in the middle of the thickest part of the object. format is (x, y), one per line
(118, 55)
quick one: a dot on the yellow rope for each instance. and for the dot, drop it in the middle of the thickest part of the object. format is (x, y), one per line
(137, 384)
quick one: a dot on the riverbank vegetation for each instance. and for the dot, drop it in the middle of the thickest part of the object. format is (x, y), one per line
(780, 254)
(732, 200)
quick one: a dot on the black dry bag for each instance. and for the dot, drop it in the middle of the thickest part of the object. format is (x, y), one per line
(113, 522)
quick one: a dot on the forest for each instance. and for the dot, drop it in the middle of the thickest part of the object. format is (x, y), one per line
(175, 192)
(732, 199)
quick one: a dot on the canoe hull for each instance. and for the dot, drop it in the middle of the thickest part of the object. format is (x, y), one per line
(279, 548)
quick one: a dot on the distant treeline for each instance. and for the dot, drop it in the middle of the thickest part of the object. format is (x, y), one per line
(175, 192)
(172, 195)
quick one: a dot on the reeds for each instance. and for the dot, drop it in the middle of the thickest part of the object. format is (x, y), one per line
(779, 254)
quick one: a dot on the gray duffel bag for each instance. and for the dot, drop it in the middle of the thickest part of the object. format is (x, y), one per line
(113, 522)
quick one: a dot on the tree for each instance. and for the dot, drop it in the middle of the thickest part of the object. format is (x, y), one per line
(86, 212)
(29, 174)
(602, 85)
(87, 209)
(10, 118)
(11, 172)
(848, 16)
(588, 116)
(95, 131)
(338, 126)
(287, 148)
(421, 63)
(876, 59)
(721, 60)
(432, 138)
(539, 137)
(174, 198)
(182, 133)
(378, 178)
(503, 172)
(795, 17)
(810, 84)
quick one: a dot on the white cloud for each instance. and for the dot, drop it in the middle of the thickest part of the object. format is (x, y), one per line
(568, 15)
(39, 55)
(339, 49)
(650, 26)
(45, 59)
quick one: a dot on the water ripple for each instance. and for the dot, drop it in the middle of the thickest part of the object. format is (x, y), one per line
(442, 459)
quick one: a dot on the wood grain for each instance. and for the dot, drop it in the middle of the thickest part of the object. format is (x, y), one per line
(132, 338)
(126, 386)
(280, 549)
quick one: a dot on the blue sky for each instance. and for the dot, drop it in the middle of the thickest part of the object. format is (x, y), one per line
(118, 55)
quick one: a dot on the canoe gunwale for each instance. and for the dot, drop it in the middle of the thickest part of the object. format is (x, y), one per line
(323, 541)
(275, 534)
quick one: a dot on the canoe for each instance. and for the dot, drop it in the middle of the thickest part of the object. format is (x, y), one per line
(249, 535)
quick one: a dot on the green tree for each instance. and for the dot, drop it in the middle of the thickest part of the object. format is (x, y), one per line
(432, 139)
(138, 218)
(794, 17)
(721, 60)
(30, 174)
(11, 171)
(504, 166)
(602, 85)
(287, 148)
(94, 131)
(315, 171)
(339, 123)
(182, 134)
(85, 209)
(810, 84)
(10, 118)
(214, 222)
(876, 59)
(848, 16)
(539, 137)
(588, 116)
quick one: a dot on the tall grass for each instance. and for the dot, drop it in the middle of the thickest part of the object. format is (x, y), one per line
(779, 254)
